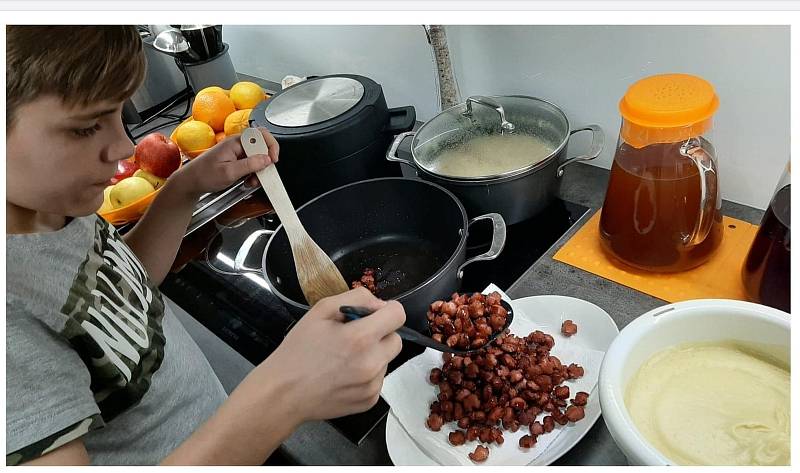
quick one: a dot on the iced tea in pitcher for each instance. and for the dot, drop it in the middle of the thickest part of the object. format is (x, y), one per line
(662, 206)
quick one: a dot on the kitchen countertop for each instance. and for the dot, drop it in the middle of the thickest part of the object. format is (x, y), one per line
(318, 443)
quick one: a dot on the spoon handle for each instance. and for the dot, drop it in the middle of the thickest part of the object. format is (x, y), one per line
(253, 143)
(355, 313)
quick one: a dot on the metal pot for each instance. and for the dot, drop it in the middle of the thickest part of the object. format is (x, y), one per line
(518, 183)
(414, 231)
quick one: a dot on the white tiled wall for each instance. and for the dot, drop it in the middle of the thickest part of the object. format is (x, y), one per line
(583, 69)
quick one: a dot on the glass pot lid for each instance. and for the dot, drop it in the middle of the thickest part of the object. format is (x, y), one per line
(490, 137)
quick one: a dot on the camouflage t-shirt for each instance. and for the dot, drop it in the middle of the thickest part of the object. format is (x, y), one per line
(93, 352)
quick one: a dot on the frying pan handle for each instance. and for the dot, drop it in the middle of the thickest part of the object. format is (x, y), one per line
(244, 251)
(391, 155)
(498, 240)
(598, 141)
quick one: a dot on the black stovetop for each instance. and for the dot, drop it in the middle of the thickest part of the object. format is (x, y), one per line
(241, 310)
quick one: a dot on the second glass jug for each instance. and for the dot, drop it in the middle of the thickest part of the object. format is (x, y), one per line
(662, 206)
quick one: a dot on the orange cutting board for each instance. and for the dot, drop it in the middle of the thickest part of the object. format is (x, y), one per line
(718, 278)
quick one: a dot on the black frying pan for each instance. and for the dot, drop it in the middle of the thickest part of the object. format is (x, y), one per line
(413, 232)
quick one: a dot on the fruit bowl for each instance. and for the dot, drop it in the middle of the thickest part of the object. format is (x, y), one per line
(133, 211)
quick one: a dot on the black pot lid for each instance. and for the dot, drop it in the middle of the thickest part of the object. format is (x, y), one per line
(314, 101)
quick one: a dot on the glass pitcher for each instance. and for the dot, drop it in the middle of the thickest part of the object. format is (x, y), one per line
(662, 206)
(766, 271)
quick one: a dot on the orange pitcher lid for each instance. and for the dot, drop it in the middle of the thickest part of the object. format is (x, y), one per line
(667, 108)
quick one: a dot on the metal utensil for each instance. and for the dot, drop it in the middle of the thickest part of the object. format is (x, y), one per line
(355, 313)
(206, 40)
(173, 43)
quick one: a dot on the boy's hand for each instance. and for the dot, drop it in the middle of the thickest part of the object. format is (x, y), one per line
(323, 369)
(331, 368)
(224, 164)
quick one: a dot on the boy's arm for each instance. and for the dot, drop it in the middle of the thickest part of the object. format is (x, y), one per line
(156, 238)
(70, 454)
(235, 435)
(232, 436)
(342, 375)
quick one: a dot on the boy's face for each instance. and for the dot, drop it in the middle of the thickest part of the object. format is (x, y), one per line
(60, 158)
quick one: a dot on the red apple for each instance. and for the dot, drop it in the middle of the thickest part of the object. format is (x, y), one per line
(125, 168)
(157, 155)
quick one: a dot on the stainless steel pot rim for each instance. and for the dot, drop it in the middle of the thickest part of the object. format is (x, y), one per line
(461, 244)
(494, 177)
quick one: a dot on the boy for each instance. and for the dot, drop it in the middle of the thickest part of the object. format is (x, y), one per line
(98, 369)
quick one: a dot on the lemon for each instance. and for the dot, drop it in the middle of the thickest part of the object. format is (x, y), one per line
(237, 121)
(194, 136)
(246, 95)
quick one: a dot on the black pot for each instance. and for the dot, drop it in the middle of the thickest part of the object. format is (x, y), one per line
(517, 193)
(333, 130)
(414, 231)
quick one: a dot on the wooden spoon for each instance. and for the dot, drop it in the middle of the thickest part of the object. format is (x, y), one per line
(317, 274)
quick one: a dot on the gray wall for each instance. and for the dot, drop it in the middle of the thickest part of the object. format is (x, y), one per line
(583, 69)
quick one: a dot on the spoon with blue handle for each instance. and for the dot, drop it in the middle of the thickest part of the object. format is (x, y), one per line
(355, 313)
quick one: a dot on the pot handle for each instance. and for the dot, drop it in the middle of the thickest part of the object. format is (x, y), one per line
(391, 155)
(401, 119)
(598, 140)
(505, 125)
(498, 240)
(244, 251)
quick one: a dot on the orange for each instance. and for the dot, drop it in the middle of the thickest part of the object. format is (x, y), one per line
(194, 136)
(220, 136)
(213, 107)
(237, 121)
(210, 89)
(246, 95)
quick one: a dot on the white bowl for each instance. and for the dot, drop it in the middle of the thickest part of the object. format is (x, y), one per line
(670, 325)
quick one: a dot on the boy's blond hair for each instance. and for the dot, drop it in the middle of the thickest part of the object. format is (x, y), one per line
(79, 64)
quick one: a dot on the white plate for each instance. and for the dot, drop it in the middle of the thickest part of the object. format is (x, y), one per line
(596, 330)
